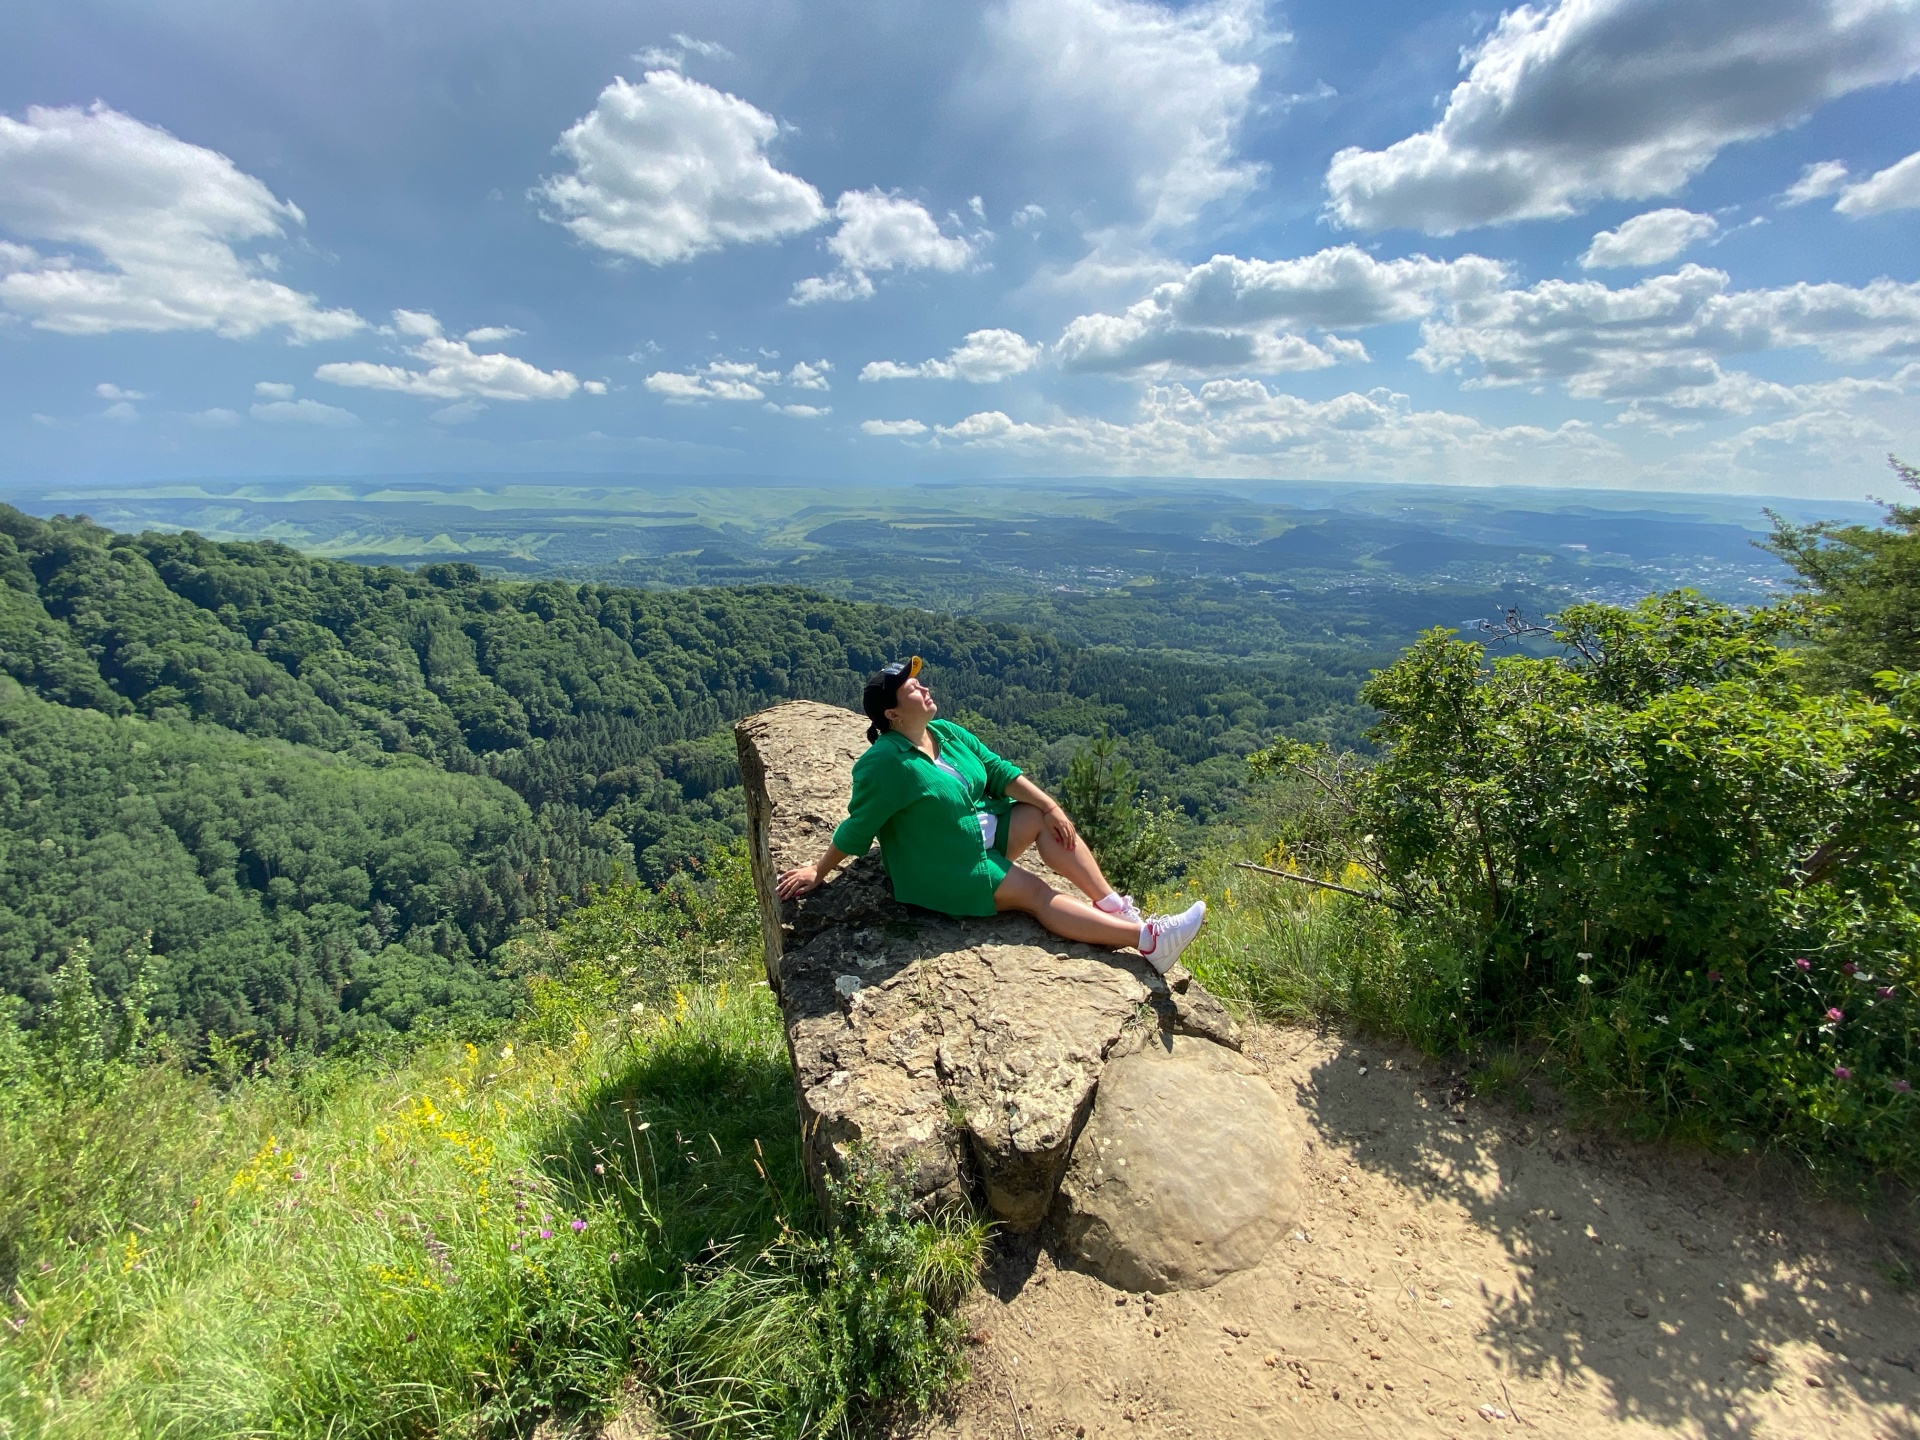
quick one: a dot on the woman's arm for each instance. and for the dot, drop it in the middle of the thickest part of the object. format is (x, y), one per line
(1024, 790)
(878, 791)
(803, 878)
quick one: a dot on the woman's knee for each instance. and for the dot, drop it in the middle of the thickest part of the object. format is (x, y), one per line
(1022, 890)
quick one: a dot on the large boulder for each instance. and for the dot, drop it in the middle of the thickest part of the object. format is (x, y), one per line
(1183, 1174)
(962, 1054)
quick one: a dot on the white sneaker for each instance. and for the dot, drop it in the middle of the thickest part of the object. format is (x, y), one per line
(1127, 911)
(1173, 933)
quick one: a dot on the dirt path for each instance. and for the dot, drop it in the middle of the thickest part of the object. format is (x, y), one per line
(1462, 1269)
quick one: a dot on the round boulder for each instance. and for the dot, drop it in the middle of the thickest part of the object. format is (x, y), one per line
(1183, 1173)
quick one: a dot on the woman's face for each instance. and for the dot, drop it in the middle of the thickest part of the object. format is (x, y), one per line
(912, 704)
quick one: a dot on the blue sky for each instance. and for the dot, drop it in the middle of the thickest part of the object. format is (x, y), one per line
(1671, 244)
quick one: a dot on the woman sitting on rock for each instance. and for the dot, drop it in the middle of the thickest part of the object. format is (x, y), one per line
(952, 817)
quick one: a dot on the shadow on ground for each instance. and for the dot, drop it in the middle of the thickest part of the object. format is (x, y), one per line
(1687, 1284)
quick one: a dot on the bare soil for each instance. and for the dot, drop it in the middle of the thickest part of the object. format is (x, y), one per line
(1460, 1268)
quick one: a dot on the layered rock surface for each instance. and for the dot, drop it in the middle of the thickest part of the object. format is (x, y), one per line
(962, 1054)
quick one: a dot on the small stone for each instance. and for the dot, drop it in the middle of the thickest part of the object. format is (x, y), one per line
(1637, 1309)
(1269, 1359)
(847, 985)
(1816, 1382)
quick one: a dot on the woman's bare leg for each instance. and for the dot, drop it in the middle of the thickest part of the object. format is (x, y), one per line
(1027, 824)
(1064, 915)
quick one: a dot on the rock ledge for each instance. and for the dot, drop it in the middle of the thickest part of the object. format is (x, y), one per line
(963, 1054)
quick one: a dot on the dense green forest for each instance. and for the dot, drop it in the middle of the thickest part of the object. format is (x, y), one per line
(322, 794)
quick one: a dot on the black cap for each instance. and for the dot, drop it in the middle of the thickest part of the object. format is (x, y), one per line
(881, 690)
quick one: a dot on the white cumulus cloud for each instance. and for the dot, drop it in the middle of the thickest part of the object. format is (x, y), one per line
(897, 428)
(453, 370)
(1650, 239)
(1235, 314)
(273, 390)
(1242, 427)
(1817, 180)
(152, 223)
(303, 412)
(983, 357)
(1572, 102)
(1661, 343)
(670, 168)
(738, 380)
(107, 390)
(881, 232)
(1141, 103)
(1895, 188)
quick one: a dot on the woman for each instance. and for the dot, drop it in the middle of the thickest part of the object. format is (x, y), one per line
(951, 817)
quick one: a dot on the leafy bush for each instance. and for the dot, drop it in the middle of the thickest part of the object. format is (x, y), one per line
(1663, 852)
(1865, 582)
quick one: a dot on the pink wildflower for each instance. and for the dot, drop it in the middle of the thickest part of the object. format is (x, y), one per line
(1841, 1072)
(578, 1226)
(546, 1234)
(1848, 968)
(1902, 1086)
(1885, 992)
(1836, 1014)
(1803, 964)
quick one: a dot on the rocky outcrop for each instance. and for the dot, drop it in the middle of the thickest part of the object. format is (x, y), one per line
(963, 1054)
(1182, 1175)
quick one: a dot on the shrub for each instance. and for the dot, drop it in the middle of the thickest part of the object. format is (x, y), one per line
(1664, 853)
(1133, 843)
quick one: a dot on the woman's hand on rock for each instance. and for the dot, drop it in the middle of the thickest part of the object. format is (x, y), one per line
(797, 882)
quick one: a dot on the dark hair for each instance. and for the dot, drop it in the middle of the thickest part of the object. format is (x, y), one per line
(882, 688)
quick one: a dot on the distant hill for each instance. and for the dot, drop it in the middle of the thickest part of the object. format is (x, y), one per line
(330, 791)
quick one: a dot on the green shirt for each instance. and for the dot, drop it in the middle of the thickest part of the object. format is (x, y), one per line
(928, 821)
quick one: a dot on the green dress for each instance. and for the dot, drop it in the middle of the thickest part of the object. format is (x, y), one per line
(928, 821)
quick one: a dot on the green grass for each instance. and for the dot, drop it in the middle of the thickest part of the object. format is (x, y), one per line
(1290, 953)
(462, 1240)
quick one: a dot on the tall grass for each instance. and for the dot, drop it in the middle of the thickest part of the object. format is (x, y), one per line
(1291, 953)
(461, 1240)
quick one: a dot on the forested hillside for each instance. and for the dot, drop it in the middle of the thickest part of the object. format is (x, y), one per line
(324, 793)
